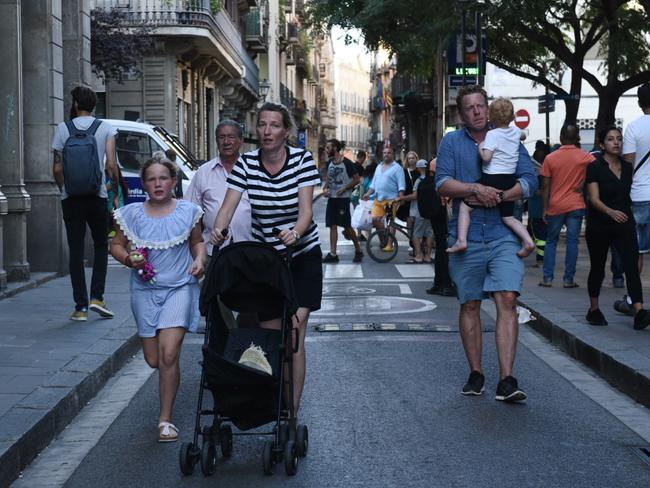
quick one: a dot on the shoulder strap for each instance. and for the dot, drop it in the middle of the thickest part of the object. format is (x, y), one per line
(93, 127)
(72, 129)
(638, 166)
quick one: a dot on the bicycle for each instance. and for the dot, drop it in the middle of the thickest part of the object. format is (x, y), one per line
(382, 245)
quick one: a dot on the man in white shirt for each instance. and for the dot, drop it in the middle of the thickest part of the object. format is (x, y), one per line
(636, 150)
(208, 186)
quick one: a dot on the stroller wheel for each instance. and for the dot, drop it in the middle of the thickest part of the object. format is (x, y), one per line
(225, 439)
(302, 440)
(186, 458)
(267, 458)
(290, 458)
(208, 458)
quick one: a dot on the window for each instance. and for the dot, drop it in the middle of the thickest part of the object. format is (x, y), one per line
(134, 148)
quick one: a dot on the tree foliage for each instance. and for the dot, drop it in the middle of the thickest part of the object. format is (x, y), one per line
(541, 40)
(117, 46)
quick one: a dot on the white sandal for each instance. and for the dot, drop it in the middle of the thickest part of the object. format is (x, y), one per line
(167, 432)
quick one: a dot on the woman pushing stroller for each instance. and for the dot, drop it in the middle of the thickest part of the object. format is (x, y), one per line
(280, 183)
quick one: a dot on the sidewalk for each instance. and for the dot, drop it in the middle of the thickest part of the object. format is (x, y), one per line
(50, 367)
(618, 353)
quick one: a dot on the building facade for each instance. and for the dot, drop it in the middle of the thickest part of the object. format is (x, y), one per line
(353, 80)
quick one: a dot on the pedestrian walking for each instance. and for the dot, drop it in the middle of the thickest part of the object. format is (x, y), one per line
(490, 264)
(636, 150)
(442, 284)
(84, 148)
(421, 225)
(500, 154)
(387, 185)
(160, 239)
(280, 181)
(563, 177)
(208, 186)
(411, 174)
(610, 223)
(536, 222)
(342, 177)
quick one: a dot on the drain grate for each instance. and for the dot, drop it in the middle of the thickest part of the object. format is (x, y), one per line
(643, 453)
(386, 327)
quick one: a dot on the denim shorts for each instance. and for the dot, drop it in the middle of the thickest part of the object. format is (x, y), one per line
(487, 267)
(641, 211)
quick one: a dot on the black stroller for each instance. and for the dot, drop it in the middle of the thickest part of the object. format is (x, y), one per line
(252, 279)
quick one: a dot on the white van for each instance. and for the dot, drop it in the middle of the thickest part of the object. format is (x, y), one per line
(136, 142)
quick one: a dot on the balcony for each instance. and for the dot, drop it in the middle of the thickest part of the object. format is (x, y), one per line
(286, 96)
(212, 34)
(256, 30)
(291, 58)
(412, 90)
(292, 32)
(301, 60)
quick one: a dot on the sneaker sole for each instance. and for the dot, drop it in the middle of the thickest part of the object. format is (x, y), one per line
(103, 312)
(473, 393)
(79, 319)
(515, 396)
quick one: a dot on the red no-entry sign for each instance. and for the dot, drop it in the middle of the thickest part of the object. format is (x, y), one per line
(522, 118)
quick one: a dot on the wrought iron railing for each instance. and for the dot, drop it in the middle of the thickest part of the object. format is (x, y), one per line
(188, 13)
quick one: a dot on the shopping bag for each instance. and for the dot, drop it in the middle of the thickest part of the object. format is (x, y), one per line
(362, 216)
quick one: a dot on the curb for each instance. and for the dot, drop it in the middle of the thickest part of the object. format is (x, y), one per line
(50, 408)
(20, 286)
(555, 326)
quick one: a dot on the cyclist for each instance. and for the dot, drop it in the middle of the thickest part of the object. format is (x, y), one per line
(388, 184)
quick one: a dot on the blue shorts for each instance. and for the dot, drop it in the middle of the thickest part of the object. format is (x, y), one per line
(487, 267)
(641, 212)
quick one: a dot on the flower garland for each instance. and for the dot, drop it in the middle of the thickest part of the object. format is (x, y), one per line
(147, 272)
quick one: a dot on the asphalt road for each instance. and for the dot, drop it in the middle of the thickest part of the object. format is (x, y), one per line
(384, 409)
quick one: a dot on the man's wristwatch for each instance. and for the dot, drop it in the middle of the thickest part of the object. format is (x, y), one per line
(500, 194)
(295, 234)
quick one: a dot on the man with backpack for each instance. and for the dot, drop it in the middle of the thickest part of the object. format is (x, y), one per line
(79, 147)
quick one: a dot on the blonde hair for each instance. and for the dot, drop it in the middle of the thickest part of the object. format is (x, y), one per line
(159, 157)
(405, 163)
(501, 111)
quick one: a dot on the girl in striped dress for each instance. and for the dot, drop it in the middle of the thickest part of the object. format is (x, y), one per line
(161, 240)
(280, 183)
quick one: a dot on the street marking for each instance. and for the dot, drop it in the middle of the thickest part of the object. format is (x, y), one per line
(54, 466)
(343, 271)
(415, 270)
(387, 326)
(362, 327)
(405, 289)
(380, 280)
(372, 305)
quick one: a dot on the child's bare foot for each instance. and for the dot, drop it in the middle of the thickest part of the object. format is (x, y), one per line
(526, 249)
(459, 246)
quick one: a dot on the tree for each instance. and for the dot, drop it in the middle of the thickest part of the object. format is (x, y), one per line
(117, 47)
(541, 40)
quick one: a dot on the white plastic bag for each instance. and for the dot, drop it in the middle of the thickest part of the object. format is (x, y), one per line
(362, 216)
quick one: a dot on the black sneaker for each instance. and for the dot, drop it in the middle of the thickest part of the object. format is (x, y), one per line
(595, 317)
(358, 257)
(641, 319)
(331, 258)
(508, 390)
(474, 385)
(624, 306)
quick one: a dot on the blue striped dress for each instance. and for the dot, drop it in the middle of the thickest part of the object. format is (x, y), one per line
(173, 300)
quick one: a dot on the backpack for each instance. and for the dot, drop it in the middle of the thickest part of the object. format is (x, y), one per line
(428, 201)
(81, 171)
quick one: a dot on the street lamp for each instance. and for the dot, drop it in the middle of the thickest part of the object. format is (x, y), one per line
(264, 88)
